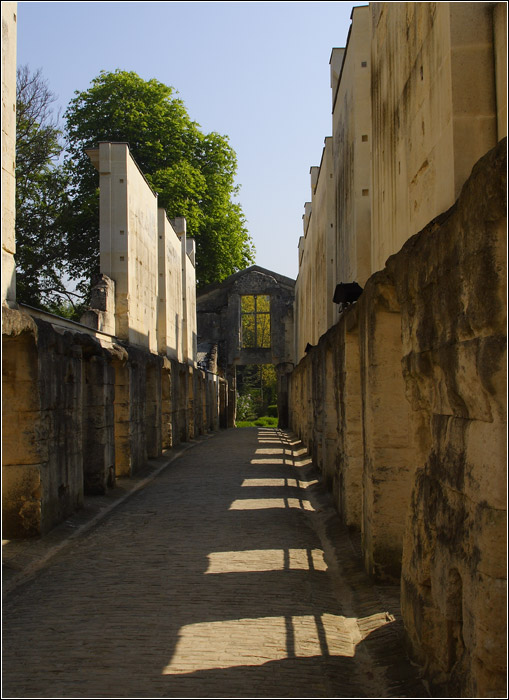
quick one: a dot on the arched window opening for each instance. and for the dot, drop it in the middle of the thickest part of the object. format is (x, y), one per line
(255, 320)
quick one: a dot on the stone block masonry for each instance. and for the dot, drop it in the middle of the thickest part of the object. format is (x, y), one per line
(418, 365)
(400, 397)
(434, 110)
(42, 416)
(146, 290)
(80, 410)
(454, 365)
(85, 404)
(419, 94)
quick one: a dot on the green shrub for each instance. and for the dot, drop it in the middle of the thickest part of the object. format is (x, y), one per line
(245, 408)
(266, 422)
(272, 410)
(263, 422)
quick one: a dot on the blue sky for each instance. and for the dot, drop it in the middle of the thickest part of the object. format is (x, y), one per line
(257, 72)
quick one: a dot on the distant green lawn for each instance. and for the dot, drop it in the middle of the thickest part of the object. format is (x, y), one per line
(262, 422)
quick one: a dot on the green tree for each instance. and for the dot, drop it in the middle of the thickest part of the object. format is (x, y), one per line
(41, 186)
(192, 172)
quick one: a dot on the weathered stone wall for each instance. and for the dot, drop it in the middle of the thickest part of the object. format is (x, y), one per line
(189, 285)
(98, 416)
(351, 128)
(314, 289)
(170, 313)
(128, 242)
(454, 362)
(148, 260)
(79, 411)
(42, 425)
(434, 109)
(402, 401)
(419, 95)
(500, 47)
(419, 404)
(9, 11)
(388, 443)
(348, 405)
(86, 403)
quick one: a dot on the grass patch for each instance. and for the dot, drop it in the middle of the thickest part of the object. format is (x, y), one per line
(262, 422)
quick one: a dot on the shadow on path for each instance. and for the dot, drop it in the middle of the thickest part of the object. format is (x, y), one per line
(216, 580)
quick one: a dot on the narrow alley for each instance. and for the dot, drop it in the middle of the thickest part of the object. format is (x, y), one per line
(227, 575)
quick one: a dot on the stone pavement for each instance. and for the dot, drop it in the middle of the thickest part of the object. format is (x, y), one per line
(227, 575)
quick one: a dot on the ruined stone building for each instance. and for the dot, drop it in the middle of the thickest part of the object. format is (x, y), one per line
(399, 393)
(256, 299)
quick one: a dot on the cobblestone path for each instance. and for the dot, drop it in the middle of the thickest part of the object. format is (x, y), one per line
(228, 575)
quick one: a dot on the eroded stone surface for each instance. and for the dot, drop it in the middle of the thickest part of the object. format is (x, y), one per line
(454, 365)
(77, 414)
(430, 349)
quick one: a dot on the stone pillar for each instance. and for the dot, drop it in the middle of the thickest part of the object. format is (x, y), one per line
(121, 414)
(190, 405)
(389, 456)
(23, 452)
(351, 452)
(283, 370)
(137, 408)
(181, 392)
(180, 227)
(9, 11)
(317, 355)
(98, 422)
(223, 404)
(175, 399)
(330, 417)
(203, 401)
(166, 405)
(153, 407)
(42, 425)
(232, 396)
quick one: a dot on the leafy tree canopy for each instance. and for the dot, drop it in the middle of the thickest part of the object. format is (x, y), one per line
(192, 172)
(41, 196)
